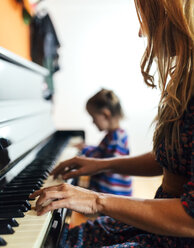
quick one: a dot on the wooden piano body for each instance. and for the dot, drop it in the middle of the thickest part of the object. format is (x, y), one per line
(29, 149)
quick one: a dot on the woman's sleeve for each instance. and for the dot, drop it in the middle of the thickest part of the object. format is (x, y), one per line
(187, 198)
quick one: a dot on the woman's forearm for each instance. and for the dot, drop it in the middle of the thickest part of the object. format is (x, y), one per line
(143, 165)
(159, 216)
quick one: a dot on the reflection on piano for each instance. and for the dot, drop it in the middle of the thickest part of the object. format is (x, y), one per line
(30, 147)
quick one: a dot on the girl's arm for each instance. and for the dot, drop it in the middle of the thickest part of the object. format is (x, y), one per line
(159, 216)
(144, 165)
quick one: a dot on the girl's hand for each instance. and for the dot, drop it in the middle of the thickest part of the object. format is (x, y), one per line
(66, 196)
(77, 166)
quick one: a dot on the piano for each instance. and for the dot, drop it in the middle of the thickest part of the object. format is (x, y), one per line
(30, 147)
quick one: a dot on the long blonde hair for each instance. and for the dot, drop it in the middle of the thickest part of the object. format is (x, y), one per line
(169, 27)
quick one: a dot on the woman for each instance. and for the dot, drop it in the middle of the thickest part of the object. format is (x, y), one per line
(167, 220)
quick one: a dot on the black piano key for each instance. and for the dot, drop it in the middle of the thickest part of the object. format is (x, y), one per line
(26, 203)
(15, 197)
(11, 214)
(25, 183)
(10, 221)
(6, 229)
(4, 192)
(22, 187)
(45, 170)
(31, 177)
(35, 173)
(2, 242)
(49, 169)
(21, 207)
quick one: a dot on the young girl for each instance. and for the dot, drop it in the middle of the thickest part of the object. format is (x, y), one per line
(105, 109)
(168, 220)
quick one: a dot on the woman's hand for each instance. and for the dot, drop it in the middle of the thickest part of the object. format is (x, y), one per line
(78, 166)
(66, 196)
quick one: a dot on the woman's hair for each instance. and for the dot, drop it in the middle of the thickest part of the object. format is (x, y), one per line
(106, 99)
(169, 27)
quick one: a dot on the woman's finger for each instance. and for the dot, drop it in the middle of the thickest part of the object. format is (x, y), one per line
(52, 206)
(39, 192)
(62, 167)
(35, 194)
(58, 169)
(48, 195)
(72, 174)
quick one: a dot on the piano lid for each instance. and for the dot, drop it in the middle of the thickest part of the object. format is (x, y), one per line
(25, 116)
(16, 59)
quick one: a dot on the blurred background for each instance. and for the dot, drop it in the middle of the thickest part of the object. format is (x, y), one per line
(96, 46)
(100, 47)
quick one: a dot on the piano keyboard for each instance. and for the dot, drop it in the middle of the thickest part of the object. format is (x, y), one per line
(32, 228)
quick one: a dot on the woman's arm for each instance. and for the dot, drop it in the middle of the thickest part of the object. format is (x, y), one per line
(143, 165)
(159, 216)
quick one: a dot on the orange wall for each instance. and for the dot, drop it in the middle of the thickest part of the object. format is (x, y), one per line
(14, 33)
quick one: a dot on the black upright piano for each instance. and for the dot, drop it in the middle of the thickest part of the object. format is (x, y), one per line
(30, 147)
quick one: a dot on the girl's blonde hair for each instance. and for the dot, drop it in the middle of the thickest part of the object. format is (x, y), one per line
(106, 99)
(169, 27)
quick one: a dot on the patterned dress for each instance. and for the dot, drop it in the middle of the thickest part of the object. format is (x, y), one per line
(114, 144)
(107, 232)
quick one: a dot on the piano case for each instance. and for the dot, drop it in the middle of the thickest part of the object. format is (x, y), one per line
(30, 146)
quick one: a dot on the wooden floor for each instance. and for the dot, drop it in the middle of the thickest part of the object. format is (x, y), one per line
(143, 187)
